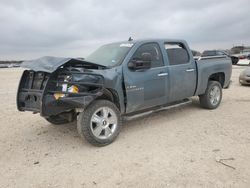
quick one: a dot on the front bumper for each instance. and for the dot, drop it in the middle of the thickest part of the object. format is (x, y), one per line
(36, 92)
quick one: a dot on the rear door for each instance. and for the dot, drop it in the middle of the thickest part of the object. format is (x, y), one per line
(182, 71)
(146, 88)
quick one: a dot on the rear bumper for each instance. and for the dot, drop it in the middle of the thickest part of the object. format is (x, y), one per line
(36, 92)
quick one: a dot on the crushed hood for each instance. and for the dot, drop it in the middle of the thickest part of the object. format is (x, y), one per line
(50, 64)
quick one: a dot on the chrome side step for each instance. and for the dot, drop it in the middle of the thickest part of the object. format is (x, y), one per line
(176, 105)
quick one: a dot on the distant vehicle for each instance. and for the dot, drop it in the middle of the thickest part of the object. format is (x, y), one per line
(242, 56)
(16, 65)
(219, 53)
(9, 65)
(3, 66)
(244, 78)
(243, 59)
(121, 80)
(244, 62)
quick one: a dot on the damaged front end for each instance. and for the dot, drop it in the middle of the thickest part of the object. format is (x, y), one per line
(57, 85)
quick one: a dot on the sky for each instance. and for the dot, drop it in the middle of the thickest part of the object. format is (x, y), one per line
(31, 29)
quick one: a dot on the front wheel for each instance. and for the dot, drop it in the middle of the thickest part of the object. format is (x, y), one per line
(212, 97)
(100, 123)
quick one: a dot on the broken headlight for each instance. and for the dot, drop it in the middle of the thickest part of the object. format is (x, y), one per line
(65, 85)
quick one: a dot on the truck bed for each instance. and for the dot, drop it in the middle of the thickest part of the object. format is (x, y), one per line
(206, 68)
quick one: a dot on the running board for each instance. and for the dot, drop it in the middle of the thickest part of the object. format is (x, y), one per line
(175, 105)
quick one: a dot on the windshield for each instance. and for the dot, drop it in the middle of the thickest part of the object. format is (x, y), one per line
(110, 54)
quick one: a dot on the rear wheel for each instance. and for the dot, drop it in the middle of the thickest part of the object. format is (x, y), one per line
(213, 95)
(100, 123)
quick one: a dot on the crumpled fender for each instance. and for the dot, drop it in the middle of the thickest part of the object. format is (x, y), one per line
(110, 79)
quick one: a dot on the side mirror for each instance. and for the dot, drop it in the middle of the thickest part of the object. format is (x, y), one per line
(143, 63)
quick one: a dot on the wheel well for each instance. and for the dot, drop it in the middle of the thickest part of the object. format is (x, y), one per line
(110, 95)
(220, 77)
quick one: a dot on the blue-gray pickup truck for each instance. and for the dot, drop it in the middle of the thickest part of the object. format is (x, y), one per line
(120, 81)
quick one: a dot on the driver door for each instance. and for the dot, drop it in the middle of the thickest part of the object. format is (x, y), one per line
(146, 88)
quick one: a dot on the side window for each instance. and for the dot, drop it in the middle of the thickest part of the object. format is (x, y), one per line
(177, 53)
(155, 52)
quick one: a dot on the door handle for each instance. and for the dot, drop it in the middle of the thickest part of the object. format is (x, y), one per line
(162, 74)
(190, 70)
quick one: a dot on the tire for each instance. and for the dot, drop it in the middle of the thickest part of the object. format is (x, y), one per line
(211, 99)
(57, 120)
(100, 123)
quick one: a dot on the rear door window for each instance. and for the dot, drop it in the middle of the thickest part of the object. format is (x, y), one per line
(177, 53)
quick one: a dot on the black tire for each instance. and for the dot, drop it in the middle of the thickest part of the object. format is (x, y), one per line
(84, 124)
(58, 119)
(205, 101)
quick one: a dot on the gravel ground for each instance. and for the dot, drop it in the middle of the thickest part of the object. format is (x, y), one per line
(174, 148)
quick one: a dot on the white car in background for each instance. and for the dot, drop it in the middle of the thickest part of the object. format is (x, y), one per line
(244, 58)
(244, 77)
(245, 62)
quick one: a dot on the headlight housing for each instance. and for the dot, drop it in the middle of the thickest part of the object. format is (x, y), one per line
(64, 82)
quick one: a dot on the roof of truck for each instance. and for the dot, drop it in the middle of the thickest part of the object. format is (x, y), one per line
(152, 40)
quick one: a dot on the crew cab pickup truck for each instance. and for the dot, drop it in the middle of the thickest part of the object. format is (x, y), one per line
(120, 81)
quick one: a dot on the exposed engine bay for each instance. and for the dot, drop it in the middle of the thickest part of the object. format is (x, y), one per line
(51, 90)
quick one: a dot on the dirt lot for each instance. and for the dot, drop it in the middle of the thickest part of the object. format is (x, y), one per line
(174, 148)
